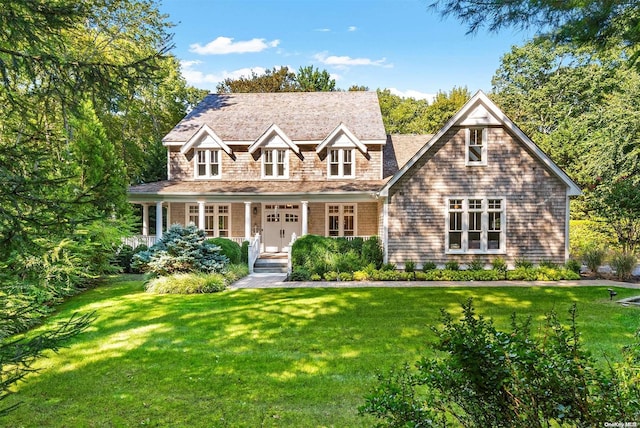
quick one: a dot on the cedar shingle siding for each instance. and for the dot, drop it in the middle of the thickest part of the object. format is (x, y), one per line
(535, 201)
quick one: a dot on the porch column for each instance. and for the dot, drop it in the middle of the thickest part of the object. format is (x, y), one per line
(305, 218)
(201, 224)
(145, 219)
(159, 220)
(385, 229)
(247, 221)
(168, 216)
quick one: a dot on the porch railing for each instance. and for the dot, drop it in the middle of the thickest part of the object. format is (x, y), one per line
(254, 251)
(136, 241)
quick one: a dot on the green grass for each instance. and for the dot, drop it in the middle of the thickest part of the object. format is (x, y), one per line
(272, 357)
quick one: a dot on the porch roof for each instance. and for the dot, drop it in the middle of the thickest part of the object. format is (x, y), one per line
(170, 190)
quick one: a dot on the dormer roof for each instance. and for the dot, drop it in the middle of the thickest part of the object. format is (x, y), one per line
(341, 136)
(205, 137)
(274, 137)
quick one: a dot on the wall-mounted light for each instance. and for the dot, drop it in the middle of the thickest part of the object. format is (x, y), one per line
(255, 210)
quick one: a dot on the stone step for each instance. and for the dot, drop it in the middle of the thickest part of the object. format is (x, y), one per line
(270, 265)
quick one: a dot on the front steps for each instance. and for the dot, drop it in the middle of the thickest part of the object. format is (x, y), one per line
(268, 263)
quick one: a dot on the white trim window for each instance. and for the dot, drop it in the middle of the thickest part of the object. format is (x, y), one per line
(340, 163)
(476, 146)
(217, 218)
(207, 163)
(341, 219)
(275, 163)
(475, 225)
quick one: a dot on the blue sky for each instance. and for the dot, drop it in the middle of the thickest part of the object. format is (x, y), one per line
(399, 45)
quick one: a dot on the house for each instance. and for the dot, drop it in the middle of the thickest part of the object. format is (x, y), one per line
(267, 167)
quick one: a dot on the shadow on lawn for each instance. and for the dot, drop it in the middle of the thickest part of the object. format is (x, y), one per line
(288, 357)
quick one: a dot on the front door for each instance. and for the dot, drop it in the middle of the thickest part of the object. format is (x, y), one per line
(280, 222)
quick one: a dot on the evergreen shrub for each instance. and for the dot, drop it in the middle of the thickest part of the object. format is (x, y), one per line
(228, 248)
(181, 250)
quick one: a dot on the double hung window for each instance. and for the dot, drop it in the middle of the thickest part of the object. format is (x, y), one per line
(475, 225)
(275, 163)
(476, 146)
(341, 163)
(207, 163)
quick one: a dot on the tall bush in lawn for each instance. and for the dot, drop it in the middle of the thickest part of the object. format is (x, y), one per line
(181, 250)
(492, 378)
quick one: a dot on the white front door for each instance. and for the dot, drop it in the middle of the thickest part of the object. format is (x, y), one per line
(280, 222)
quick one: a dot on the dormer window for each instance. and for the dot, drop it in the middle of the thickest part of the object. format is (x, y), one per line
(207, 163)
(275, 163)
(476, 146)
(341, 163)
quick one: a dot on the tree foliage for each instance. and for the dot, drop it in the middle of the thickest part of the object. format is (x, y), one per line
(600, 23)
(85, 87)
(307, 79)
(410, 116)
(311, 79)
(274, 80)
(491, 378)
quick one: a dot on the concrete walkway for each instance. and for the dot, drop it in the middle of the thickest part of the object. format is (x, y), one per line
(277, 280)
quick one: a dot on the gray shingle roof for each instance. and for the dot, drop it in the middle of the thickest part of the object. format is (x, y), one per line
(254, 187)
(302, 116)
(399, 149)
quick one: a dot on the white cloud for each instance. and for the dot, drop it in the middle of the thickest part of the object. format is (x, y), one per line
(352, 28)
(347, 61)
(413, 94)
(323, 30)
(226, 45)
(209, 81)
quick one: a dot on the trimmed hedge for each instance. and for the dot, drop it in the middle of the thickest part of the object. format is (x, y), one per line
(228, 248)
(520, 274)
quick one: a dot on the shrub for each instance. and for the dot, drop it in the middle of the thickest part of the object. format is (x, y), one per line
(388, 266)
(315, 253)
(181, 250)
(476, 265)
(372, 251)
(228, 248)
(345, 276)
(300, 274)
(452, 265)
(427, 266)
(485, 377)
(499, 264)
(573, 265)
(187, 283)
(523, 263)
(315, 277)
(124, 257)
(330, 276)
(347, 262)
(593, 257)
(244, 252)
(548, 264)
(409, 266)
(234, 272)
(360, 275)
(623, 264)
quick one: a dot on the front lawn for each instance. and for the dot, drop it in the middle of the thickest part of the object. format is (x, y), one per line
(270, 357)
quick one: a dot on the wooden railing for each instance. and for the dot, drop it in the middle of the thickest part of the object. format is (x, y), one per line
(254, 251)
